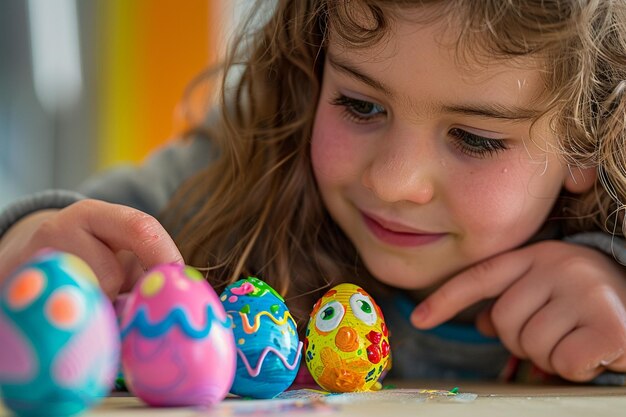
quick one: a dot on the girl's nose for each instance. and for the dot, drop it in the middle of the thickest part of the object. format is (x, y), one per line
(402, 172)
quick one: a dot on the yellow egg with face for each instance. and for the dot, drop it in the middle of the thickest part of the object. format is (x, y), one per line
(347, 341)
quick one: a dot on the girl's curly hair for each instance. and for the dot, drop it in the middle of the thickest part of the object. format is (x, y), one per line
(256, 210)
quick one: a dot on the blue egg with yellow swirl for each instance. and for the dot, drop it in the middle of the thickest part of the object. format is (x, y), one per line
(266, 339)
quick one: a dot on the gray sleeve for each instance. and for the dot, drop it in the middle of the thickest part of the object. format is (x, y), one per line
(149, 187)
(49, 199)
(609, 244)
(146, 187)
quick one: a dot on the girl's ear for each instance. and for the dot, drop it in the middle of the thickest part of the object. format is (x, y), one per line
(579, 180)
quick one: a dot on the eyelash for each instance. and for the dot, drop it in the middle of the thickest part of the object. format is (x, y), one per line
(350, 106)
(475, 145)
(468, 143)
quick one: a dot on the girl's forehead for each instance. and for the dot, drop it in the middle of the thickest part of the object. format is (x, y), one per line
(359, 25)
(421, 47)
(356, 29)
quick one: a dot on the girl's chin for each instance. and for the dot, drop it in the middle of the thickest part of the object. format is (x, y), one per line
(403, 282)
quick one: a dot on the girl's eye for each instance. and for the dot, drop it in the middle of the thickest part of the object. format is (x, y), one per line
(358, 111)
(476, 146)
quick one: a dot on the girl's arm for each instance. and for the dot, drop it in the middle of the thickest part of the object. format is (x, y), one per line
(149, 187)
(117, 240)
(560, 305)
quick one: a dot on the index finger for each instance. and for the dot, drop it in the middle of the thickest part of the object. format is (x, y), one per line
(482, 281)
(125, 228)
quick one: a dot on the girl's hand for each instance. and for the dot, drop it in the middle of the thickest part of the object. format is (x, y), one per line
(558, 304)
(118, 242)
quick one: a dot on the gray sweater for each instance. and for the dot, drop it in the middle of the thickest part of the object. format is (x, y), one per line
(448, 351)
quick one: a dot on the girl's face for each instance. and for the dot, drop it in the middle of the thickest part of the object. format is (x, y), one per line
(428, 164)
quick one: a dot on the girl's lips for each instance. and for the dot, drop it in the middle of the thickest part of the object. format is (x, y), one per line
(398, 235)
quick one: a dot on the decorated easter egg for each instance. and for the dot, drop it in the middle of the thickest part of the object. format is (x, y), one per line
(268, 348)
(347, 341)
(59, 341)
(177, 343)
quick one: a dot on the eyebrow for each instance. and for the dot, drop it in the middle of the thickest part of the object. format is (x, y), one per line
(491, 111)
(494, 111)
(353, 72)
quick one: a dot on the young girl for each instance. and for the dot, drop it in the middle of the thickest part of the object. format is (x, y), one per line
(462, 160)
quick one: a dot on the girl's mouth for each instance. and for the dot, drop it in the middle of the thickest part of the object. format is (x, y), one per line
(398, 235)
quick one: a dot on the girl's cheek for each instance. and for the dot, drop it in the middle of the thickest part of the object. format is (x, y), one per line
(326, 164)
(503, 203)
(332, 151)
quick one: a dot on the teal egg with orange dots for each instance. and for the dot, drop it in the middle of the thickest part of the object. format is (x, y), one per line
(347, 341)
(266, 338)
(59, 338)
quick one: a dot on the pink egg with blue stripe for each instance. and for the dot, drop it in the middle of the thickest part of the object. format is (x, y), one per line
(268, 348)
(177, 343)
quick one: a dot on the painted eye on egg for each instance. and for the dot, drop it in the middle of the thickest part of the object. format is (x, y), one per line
(363, 308)
(329, 316)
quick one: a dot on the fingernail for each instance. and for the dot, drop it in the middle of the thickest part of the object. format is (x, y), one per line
(420, 313)
(609, 359)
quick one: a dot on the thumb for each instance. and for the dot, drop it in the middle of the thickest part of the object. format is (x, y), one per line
(484, 324)
(133, 270)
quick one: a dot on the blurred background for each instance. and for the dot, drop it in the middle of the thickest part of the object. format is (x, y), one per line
(85, 85)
